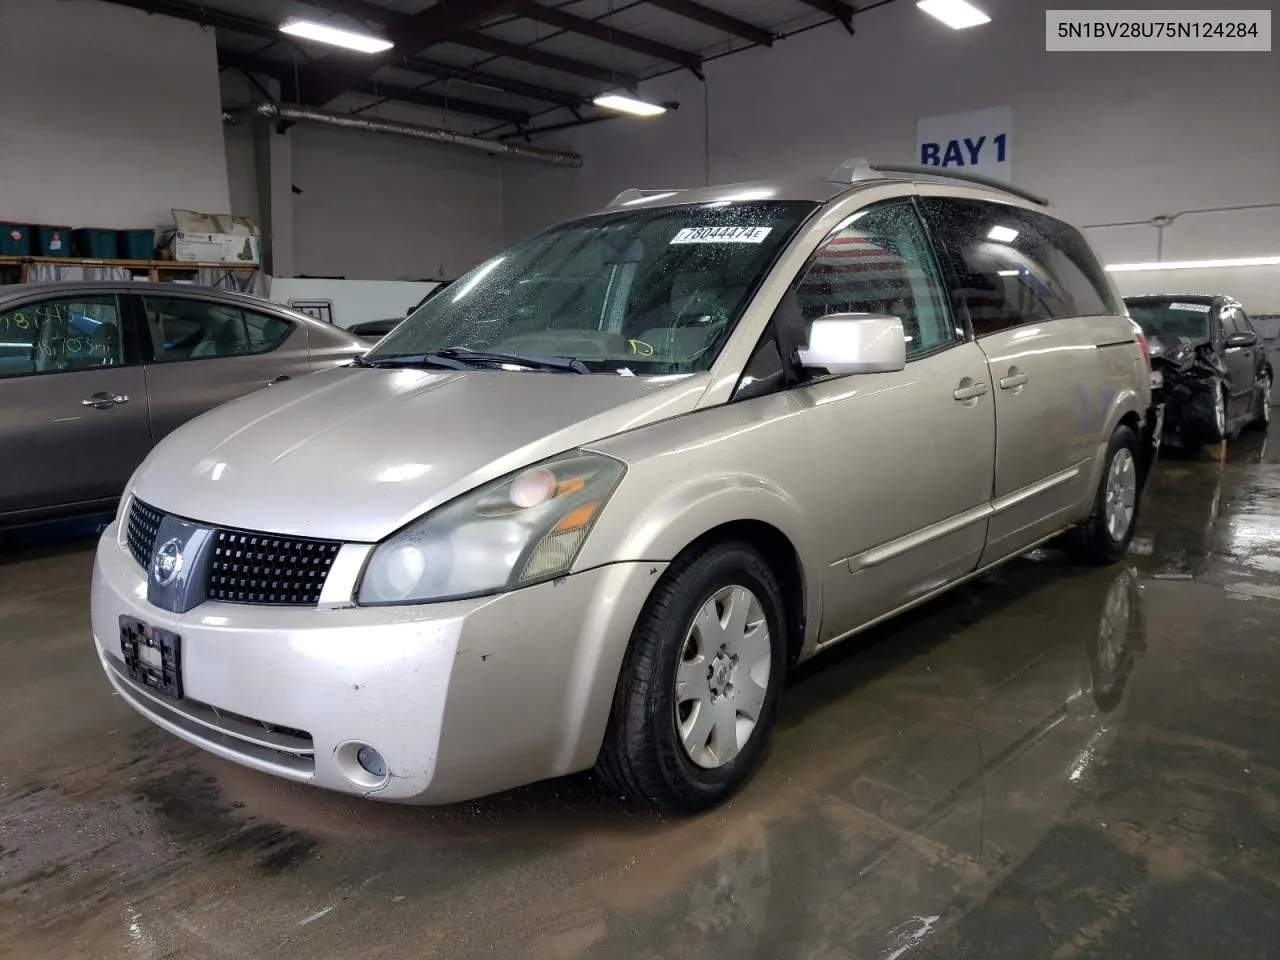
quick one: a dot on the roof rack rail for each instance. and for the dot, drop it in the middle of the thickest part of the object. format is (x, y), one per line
(858, 169)
(635, 195)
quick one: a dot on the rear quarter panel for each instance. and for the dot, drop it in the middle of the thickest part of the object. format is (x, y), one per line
(1123, 384)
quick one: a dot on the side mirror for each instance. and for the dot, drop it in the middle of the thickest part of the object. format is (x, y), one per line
(844, 343)
(1247, 339)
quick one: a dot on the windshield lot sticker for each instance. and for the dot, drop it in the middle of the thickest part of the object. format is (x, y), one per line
(721, 235)
(1193, 307)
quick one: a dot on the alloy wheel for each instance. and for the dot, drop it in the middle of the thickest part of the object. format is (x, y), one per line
(1121, 495)
(723, 676)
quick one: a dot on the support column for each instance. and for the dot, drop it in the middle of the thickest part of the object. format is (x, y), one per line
(273, 152)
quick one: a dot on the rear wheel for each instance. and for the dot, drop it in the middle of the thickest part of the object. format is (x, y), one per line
(1104, 537)
(699, 688)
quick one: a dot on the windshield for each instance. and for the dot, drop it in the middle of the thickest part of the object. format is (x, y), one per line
(1172, 319)
(645, 291)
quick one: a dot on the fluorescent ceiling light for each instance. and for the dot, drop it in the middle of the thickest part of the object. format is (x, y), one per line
(1193, 264)
(1006, 273)
(1002, 234)
(323, 33)
(625, 103)
(749, 195)
(649, 197)
(956, 14)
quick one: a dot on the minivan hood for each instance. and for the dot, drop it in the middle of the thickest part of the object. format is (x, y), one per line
(355, 453)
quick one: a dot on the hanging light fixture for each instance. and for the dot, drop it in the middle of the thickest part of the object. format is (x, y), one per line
(323, 33)
(624, 102)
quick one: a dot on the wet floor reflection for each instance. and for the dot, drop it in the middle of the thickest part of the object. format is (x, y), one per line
(1051, 762)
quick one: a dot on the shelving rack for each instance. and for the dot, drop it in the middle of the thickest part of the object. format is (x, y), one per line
(15, 269)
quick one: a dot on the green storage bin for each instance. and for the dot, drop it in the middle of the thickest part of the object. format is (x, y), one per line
(52, 241)
(15, 239)
(93, 242)
(137, 245)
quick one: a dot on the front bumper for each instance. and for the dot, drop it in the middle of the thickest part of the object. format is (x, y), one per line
(462, 699)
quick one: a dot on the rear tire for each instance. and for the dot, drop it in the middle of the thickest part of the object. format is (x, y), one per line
(699, 688)
(1104, 537)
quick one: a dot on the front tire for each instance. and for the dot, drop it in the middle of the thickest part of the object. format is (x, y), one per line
(1104, 537)
(1262, 415)
(700, 684)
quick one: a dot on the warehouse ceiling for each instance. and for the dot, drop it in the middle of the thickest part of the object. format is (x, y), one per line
(497, 64)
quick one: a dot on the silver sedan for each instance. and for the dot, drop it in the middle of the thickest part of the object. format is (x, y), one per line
(93, 375)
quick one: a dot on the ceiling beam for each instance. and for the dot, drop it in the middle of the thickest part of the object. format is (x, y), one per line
(596, 30)
(714, 18)
(552, 17)
(519, 88)
(283, 72)
(235, 23)
(834, 8)
(204, 15)
(443, 21)
(542, 58)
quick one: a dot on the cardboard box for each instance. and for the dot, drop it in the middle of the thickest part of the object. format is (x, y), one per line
(214, 237)
(220, 247)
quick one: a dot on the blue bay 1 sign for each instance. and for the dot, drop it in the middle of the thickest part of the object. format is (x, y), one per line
(980, 141)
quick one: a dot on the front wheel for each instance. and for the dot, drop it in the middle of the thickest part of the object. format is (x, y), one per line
(1218, 426)
(1262, 394)
(1104, 537)
(699, 689)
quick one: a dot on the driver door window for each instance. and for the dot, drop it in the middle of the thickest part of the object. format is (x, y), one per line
(880, 262)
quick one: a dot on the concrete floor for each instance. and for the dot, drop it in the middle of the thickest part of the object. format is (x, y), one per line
(1051, 763)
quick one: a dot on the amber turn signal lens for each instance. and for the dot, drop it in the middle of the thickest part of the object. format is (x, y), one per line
(577, 518)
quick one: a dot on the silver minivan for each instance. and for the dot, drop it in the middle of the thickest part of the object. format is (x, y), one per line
(589, 506)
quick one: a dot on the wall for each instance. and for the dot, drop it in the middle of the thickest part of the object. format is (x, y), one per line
(110, 117)
(1109, 137)
(353, 301)
(388, 208)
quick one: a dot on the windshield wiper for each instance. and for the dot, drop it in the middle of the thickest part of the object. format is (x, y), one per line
(566, 364)
(413, 360)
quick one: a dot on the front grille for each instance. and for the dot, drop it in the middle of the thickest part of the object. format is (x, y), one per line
(247, 567)
(264, 568)
(144, 524)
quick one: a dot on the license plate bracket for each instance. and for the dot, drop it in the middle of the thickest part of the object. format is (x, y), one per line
(152, 656)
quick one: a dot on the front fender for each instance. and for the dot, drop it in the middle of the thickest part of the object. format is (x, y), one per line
(750, 462)
(660, 528)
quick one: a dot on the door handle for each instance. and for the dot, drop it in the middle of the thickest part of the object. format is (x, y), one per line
(970, 391)
(104, 401)
(280, 379)
(1013, 381)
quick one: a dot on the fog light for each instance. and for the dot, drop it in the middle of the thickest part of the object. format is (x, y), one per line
(372, 762)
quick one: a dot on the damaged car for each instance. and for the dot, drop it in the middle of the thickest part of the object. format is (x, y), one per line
(1209, 367)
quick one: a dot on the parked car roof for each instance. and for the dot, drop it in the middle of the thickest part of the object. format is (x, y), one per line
(1188, 297)
(23, 291)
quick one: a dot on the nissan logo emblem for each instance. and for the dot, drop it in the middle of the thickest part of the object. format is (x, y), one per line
(167, 563)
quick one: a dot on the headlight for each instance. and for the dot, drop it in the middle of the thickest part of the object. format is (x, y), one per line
(518, 530)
